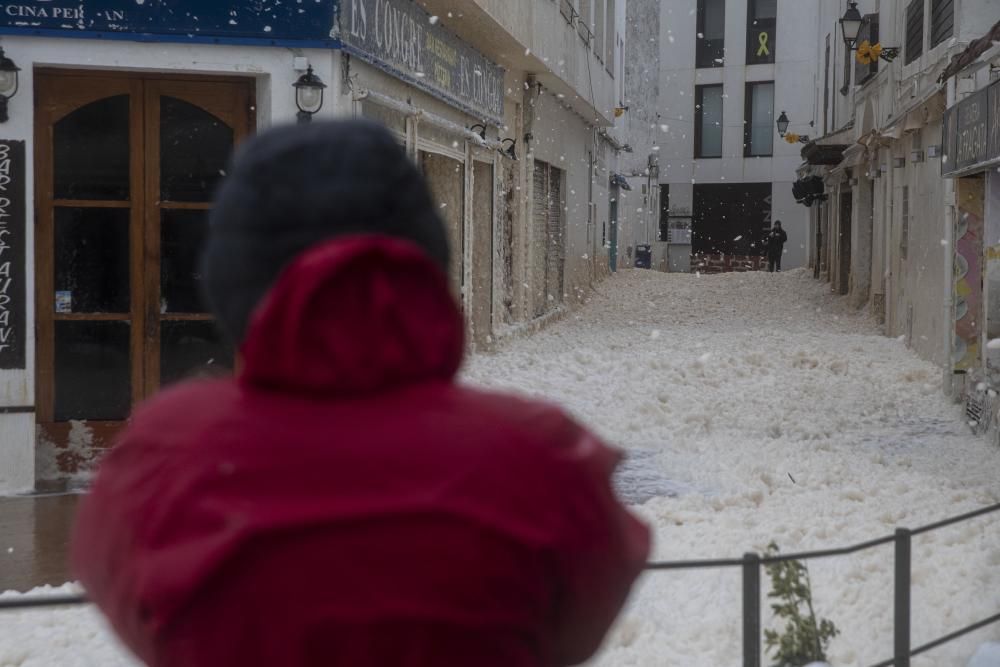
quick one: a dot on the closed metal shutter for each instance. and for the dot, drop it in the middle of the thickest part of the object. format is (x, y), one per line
(556, 250)
(539, 235)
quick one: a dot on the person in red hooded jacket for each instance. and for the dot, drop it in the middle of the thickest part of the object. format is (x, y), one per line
(343, 501)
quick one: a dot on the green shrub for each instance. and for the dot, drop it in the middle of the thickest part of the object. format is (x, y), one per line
(803, 639)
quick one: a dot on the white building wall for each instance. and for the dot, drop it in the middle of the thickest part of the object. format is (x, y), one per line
(273, 73)
(794, 72)
(533, 36)
(565, 141)
(530, 39)
(895, 113)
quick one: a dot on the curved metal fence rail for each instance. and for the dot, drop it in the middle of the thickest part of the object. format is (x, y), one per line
(751, 564)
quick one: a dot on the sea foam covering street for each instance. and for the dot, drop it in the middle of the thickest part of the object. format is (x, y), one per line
(752, 408)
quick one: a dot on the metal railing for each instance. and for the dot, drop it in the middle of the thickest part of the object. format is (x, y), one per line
(751, 564)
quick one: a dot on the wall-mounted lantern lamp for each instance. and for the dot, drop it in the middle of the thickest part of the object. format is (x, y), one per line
(9, 80)
(309, 95)
(510, 151)
(482, 131)
(790, 137)
(850, 27)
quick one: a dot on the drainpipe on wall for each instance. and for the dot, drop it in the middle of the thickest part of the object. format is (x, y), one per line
(591, 207)
(948, 375)
(889, 278)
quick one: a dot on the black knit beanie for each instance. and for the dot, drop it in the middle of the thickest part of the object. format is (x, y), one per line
(293, 187)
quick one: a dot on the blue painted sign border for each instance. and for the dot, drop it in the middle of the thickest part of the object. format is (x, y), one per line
(251, 22)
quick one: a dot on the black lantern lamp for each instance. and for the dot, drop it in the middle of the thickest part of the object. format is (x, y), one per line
(8, 83)
(850, 25)
(511, 151)
(482, 131)
(782, 123)
(308, 95)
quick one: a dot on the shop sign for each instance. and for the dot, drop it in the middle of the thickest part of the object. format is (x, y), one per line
(972, 132)
(12, 255)
(993, 114)
(174, 20)
(400, 37)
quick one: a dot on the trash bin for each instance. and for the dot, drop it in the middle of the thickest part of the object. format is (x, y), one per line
(643, 257)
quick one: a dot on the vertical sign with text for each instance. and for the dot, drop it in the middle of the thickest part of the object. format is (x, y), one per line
(13, 316)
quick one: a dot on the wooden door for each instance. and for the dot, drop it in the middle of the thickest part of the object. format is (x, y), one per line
(483, 191)
(125, 170)
(846, 208)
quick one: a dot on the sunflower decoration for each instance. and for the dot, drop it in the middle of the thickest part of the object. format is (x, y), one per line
(792, 138)
(868, 53)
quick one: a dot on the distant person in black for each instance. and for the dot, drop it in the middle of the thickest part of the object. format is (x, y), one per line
(775, 246)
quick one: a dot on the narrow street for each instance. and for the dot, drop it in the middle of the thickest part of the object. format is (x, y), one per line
(759, 408)
(752, 407)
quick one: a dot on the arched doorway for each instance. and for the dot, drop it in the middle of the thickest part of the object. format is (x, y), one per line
(125, 170)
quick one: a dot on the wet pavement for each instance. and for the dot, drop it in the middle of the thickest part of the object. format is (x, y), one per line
(34, 540)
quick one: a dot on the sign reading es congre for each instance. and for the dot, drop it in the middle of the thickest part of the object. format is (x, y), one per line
(199, 20)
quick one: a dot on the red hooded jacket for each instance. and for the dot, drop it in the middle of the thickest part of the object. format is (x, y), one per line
(345, 503)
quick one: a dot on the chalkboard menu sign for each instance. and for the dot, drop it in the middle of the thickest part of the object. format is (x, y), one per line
(12, 255)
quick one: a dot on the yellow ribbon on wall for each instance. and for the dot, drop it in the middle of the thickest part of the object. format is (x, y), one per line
(763, 50)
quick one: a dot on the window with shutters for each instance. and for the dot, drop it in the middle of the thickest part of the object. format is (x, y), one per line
(708, 121)
(585, 25)
(610, 27)
(826, 88)
(848, 59)
(599, 29)
(548, 239)
(711, 46)
(904, 236)
(914, 46)
(867, 33)
(942, 21)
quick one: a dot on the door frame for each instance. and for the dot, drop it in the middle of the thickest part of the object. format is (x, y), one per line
(59, 92)
(844, 246)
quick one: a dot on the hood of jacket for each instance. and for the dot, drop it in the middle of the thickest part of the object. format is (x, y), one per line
(354, 316)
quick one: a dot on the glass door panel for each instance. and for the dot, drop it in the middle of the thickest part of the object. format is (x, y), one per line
(93, 370)
(92, 260)
(194, 149)
(191, 131)
(91, 152)
(182, 236)
(126, 170)
(192, 348)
